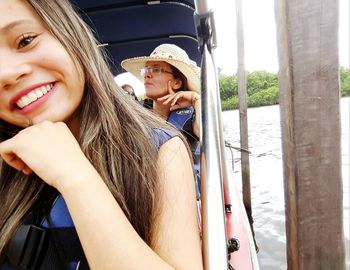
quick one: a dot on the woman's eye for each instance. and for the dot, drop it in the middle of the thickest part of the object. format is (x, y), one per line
(25, 40)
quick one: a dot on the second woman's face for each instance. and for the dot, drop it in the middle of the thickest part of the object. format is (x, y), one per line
(38, 78)
(157, 84)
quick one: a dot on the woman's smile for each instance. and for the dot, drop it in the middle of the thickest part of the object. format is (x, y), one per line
(30, 98)
(38, 78)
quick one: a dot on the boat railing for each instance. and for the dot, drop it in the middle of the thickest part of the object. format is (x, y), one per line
(215, 187)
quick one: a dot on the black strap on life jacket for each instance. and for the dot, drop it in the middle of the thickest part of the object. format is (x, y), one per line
(27, 246)
(36, 248)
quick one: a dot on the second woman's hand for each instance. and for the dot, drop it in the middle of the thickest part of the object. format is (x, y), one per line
(48, 149)
(180, 99)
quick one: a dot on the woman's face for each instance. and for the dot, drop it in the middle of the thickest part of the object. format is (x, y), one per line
(38, 79)
(157, 83)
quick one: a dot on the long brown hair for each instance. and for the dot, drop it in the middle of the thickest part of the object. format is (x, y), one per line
(115, 135)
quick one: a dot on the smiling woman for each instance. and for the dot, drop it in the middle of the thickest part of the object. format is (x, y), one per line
(68, 134)
(46, 67)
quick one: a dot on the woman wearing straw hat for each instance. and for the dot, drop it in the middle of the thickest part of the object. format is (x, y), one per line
(172, 81)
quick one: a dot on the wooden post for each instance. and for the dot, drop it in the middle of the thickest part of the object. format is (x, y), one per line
(243, 123)
(310, 119)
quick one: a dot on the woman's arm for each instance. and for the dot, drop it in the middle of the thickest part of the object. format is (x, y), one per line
(196, 124)
(108, 239)
(176, 236)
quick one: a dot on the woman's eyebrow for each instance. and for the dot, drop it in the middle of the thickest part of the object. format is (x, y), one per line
(7, 28)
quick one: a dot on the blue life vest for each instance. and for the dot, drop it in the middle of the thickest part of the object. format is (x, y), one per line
(183, 119)
(54, 243)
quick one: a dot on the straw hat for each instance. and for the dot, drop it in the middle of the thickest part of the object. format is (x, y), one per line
(174, 56)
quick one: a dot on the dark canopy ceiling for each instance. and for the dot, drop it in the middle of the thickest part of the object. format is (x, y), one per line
(134, 28)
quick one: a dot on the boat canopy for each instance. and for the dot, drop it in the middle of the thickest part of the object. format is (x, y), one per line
(130, 28)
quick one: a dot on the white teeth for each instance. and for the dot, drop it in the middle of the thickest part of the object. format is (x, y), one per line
(25, 100)
(44, 90)
(38, 93)
(33, 95)
(20, 103)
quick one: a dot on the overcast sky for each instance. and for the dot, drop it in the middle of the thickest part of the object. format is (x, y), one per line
(259, 37)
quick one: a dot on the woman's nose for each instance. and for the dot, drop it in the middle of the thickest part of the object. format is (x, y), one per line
(147, 75)
(12, 71)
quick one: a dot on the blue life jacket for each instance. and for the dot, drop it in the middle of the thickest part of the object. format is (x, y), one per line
(53, 244)
(183, 119)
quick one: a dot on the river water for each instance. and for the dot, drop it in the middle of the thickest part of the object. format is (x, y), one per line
(266, 172)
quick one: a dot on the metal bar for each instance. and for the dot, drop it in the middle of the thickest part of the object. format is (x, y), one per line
(202, 7)
(216, 190)
(215, 256)
(214, 235)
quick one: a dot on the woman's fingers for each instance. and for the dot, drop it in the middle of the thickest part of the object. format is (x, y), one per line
(7, 154)
(27, 170)
(164, 97)
(13, 161)
(175, 107)
(178, 100)
(175, 99)
(48, 149)
(167, 98)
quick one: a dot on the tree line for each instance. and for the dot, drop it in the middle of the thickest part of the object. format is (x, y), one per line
(262, 88)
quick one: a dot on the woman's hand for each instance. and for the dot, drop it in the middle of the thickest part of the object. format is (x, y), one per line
(183, 99)
(48, 149)
(180, 99)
